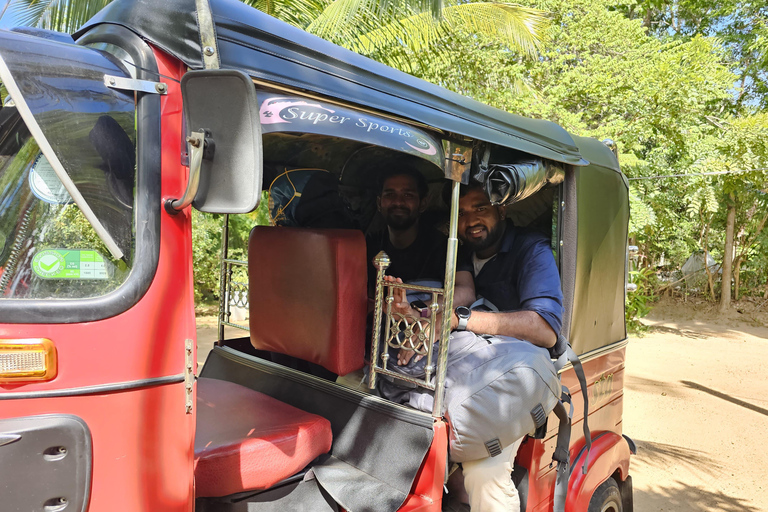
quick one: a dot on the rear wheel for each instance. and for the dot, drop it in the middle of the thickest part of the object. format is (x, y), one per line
(607, 498)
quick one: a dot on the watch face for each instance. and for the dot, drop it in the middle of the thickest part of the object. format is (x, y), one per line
(462, 312)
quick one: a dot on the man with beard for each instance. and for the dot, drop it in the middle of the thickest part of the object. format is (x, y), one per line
(417, 252)
(515, 270)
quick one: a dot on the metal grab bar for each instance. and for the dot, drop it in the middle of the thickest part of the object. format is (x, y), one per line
(197, 144)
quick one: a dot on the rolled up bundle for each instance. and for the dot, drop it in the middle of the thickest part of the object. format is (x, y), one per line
(509, 183)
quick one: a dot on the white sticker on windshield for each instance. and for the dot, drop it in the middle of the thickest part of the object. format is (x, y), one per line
(45, 184)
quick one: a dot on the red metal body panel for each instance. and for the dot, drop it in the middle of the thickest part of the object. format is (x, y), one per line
(427, 491)
(605, 385)
(142, 439)
(609, 453)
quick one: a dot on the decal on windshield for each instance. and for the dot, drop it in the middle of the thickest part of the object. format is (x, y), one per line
(69, 264)
(45, 184)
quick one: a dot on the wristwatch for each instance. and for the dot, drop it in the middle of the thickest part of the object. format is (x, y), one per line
(421, 307)
(463, 313)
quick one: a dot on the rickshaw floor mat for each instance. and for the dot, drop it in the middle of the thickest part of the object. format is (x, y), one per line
(307, 496)
(378, 446)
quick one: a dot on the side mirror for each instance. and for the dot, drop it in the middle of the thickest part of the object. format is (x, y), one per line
(225, 151)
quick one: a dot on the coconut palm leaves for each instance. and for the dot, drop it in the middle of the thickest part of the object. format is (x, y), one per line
(393, 31)
(404, 37)
(58, 15)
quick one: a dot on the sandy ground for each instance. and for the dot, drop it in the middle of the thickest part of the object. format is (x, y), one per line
(696, 404)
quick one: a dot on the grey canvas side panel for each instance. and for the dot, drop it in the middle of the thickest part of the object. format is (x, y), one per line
(378, 446)
(603, 215)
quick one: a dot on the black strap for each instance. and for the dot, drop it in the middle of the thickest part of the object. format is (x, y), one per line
(570, 355)
(562, 452)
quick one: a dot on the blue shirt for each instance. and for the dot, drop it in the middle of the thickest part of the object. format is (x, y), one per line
(522, 276)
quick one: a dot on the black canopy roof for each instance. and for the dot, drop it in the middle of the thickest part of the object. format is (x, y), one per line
(274, 51)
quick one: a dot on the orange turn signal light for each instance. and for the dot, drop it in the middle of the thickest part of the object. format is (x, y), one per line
(27, 360)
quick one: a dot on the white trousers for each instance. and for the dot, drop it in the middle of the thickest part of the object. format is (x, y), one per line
(488, 482)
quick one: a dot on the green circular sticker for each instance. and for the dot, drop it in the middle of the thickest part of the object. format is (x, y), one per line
(48, 263)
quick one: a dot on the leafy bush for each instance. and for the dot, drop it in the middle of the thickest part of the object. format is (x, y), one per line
(639, 301)
(206, 246)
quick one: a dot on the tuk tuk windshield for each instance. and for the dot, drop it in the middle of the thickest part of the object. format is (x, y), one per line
(47, 247)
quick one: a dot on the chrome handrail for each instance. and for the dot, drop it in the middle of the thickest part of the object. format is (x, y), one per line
(400, 330)
(196, 148)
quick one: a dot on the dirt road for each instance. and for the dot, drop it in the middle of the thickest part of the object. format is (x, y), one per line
(696, 403)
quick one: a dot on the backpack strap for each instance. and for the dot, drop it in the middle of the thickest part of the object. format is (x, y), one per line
(570, 355)
(562, 452)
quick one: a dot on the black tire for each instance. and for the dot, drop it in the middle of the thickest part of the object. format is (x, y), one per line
(607, 498)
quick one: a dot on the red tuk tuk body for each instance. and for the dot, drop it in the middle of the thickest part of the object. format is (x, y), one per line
(110, 422)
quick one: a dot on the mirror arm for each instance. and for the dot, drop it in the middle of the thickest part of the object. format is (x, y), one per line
(197, 151)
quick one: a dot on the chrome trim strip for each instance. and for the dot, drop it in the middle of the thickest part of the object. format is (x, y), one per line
(8, 439)
(96, 390)
(598, 352)
(135, 84)
(207, 31)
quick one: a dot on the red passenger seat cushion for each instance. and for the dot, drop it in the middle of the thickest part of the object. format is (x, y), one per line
(308, 294)
(246, 440)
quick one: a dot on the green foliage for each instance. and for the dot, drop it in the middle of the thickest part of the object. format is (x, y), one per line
(742, 26)
(678, 84)
(206, 246)
(638, 303)
(414, 41)
(60, 15)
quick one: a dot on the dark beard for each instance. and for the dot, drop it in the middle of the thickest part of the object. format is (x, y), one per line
(494, 235)
(400, 223)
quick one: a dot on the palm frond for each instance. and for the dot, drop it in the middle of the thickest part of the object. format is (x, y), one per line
(341, 16)
(58, 15)
(522, 29)
(299, 13)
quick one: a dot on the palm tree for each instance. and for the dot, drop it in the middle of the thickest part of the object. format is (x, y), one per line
(395, 32)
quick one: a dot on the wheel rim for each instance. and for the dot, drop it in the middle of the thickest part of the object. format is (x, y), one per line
(611, 506)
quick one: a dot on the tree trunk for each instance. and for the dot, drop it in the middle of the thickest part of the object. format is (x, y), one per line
(736, 278)
(725, 293)
(710, 280)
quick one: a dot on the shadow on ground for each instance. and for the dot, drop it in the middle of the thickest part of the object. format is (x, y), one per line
(674, 496)
(685, 333)
(653, 387)
(724, 396)
(661, 455)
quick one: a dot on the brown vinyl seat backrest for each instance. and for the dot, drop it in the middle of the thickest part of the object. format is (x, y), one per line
(308, 294)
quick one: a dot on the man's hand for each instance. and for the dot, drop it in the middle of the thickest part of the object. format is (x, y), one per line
(401, 306)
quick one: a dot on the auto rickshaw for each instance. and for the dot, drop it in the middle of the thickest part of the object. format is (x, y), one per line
(108, 139)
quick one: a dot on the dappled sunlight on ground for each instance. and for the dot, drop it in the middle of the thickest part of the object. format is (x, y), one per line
(696, 404)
